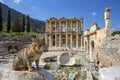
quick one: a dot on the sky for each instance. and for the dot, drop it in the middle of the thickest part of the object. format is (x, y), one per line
(92, 11)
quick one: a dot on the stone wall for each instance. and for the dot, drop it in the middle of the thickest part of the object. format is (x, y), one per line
(109, 53)
(13, 44)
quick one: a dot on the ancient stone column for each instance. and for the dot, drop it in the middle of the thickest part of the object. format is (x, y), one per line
(66, 35)
(55, 26)
(81, 41)
(50, 26)
(50, 38)
(90, 50)
(60, 37)
(46, 39)
(55, 40)
(71, 32)
(77, 40)
(71, 40)
(107, 18)
(66, 39)
(85, 45)
(107, 22)
(60, 40)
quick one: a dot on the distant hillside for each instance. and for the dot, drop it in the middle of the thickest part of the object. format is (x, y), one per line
(33, 22)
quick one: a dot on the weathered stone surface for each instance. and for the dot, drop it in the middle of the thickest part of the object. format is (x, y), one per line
(66, 59)
(14, 44)
(7, 74)
(89, 76)
(109, 53)
(72, 76)
(111, 73)
(3, 51)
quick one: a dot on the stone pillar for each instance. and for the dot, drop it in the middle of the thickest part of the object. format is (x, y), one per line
(81, 24)
(50, 26)
(71, 33)
(77, 40)
(107, 18)
(55, 40)
(60, 34)
(55, 26)
(71, 40)
(66, 39)
(60, 40)
(85, 45)
(46, 39)
(77, 24)
(90, 50)
(46, 29)
(107, 22)
(81, 41)
(60, 26)
(66, 35)
(50, 38)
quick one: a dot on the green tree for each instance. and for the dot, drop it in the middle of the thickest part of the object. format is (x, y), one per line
(23, 23)
(28, 24)
(43, 28)
(8, 21)
(1, 25)
(16, 25)
(115, 33)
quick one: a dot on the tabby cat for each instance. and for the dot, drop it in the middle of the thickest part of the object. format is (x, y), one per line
(24, 59)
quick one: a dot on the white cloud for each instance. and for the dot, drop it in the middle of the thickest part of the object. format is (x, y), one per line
(33, 7)
(17, 1)
(1, 1)
(94, 13)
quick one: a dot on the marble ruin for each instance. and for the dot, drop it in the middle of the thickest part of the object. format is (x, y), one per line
(63, 33)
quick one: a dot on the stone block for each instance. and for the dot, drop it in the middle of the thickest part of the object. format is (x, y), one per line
(66, 59)
(111, 73)
(8, 74)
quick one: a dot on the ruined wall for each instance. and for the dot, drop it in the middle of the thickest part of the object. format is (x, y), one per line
(100, 35)
(109, 53)
(13, 44)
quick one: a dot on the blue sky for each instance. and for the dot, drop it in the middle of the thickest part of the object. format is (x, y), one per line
(92, 11)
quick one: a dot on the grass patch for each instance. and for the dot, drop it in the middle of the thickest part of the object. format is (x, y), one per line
(4, 33)
(13, 34)
(63, 72)
(89, 61)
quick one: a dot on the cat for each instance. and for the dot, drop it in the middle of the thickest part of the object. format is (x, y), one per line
(24, 59)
